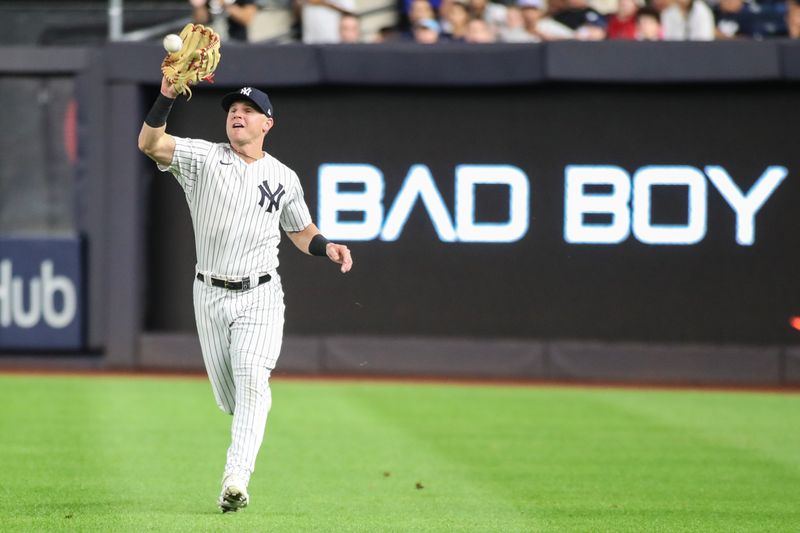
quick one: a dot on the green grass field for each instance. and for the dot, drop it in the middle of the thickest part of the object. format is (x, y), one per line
(145, 454)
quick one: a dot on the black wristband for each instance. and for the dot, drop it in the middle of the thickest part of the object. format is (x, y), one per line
(157, 116)
(318, 245)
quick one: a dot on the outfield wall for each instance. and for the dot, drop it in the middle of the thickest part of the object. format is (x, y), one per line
(502, 269)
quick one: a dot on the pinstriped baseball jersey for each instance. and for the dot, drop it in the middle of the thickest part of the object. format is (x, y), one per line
(236, 207)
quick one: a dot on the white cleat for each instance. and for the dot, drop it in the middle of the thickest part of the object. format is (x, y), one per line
(234, 495)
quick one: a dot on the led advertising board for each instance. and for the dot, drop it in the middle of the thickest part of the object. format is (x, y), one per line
(574, 212)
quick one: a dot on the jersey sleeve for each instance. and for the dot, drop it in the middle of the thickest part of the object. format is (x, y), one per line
(187, 161)
(295, 215)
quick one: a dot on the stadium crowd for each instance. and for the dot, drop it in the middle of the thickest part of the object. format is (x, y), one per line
(518, 21)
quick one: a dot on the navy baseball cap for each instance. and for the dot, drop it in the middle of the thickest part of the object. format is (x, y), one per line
(259, 99)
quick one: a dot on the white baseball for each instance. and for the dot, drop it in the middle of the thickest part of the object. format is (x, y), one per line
(172, 43)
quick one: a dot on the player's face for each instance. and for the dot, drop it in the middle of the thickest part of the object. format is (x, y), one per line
(245, 123)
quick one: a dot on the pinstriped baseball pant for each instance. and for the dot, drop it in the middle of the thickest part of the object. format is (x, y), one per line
(241, 334)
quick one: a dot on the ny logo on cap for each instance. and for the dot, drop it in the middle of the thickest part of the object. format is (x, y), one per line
(246, 91)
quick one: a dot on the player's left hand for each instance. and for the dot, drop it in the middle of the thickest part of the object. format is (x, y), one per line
(340, 254)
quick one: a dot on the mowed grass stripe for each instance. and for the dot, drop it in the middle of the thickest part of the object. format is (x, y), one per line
(657, 472)
(368, 453)
(106, 450)
(145, 455)
(755, 423)
(593, 462)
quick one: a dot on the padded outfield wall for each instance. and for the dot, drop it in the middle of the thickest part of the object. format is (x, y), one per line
(609, 211)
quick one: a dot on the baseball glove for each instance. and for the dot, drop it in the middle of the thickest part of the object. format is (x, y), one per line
(195, 61)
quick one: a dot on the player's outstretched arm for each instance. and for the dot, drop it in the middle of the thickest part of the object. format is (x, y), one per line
(153, 138)
(310, 241)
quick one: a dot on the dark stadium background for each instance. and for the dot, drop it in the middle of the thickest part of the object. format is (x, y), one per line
(539, 287)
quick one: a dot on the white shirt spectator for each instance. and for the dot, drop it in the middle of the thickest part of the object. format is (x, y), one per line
(553, 30)
(321, 20)
(494, 14)
(697, 26)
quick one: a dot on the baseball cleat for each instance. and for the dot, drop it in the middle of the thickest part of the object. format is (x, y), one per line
(234, 495)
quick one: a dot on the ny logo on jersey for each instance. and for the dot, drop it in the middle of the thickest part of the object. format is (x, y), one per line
(273, 197)
(246, 91)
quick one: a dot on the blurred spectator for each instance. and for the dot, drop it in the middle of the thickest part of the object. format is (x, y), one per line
(793, 19)
(456, 18)
(540, 25)
(688, 20)
(648, 25)
(388, 34)
(622, 24)
(409, 6)
(735, 19)
(593, 29)
(349, 29)
(480, 32)
(577, 13)
(770, 18)
(494, 14)
(441, 15)
(426, 31)
(515, 30)
(320, 19)
(659, 5)
(554, 6)
(606, 7)
(420, 10)
(443, 10)
(238, 14)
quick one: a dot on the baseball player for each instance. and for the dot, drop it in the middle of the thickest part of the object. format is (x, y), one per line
(238, 195)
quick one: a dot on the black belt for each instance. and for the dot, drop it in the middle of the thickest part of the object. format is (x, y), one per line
(241, 285)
